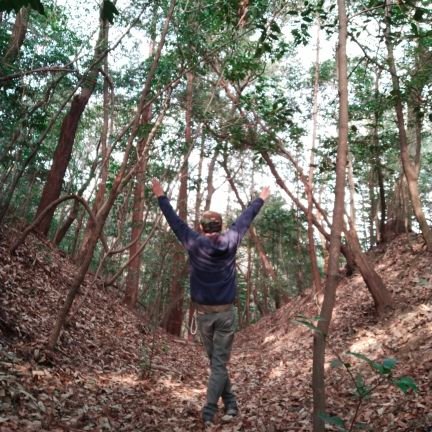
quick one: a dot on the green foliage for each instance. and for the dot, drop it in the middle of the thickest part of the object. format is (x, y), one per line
(363, 390)
(272, 105)
(16, 5)
(284, 237)
(384, 368)
(333, 420)
(308, 322)
(405, 383)
(271, 42)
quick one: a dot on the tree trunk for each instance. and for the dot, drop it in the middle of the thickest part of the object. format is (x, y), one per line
(198, 202)
(105, 151)
(199, 192)
(248, 282)
(73, 249)
(344, 249)
(399, 211)
(17, 38)
(133, 275)
(316, 277)
(63, 151)
(266, 265)
(27, 203)
(410, 168)
(64, 228)
(210, 185)
(120, 181)
(381, 296)
(174, 317)
(332, 280)
(76, 283)
(378, 164)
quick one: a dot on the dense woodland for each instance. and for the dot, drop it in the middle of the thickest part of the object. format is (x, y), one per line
(329, 103)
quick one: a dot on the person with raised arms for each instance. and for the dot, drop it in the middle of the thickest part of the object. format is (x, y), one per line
(212, 262)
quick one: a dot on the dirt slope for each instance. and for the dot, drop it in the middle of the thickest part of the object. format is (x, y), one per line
(113, 371)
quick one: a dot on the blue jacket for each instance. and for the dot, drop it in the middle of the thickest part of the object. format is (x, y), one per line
(212, 260)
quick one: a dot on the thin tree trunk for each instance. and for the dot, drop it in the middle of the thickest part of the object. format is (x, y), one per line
(73, 248)
(27, 203)
(76, 282)
(17, 38)
(64, 228)
(344, 249)
(248, 282)
(108, 95)
(199, 192)
(174, 317)
(120, 181)
(332, 280)
(198, 202)
(316, 277)
(378, 164)
(373, 226)
(210, 185)
(133, 275)
(266, 265)
(381, 296)
(410, 168)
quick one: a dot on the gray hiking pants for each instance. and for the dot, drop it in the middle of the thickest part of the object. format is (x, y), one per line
(217, 334)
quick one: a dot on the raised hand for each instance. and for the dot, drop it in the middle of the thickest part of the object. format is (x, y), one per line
(157, 188)
(265, 193)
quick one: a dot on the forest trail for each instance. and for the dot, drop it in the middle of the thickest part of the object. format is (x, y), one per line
(113, 371)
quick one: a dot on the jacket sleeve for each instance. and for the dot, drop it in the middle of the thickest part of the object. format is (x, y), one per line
(242, 224)
(179, 227)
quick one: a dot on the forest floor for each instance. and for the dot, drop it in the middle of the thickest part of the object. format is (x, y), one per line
(114, 371)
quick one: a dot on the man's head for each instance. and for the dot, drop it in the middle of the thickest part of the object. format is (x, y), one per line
(211, 222)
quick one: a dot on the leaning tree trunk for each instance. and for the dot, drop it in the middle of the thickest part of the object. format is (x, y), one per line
(17, 39)
(72, 215)
(76, 283)
(174, 318)
(63, 151)
(120, 181)
(410, 168)
(332, 280)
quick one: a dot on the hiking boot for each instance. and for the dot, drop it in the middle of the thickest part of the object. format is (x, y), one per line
(231, 408)
(231, 411)
(208, 413)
